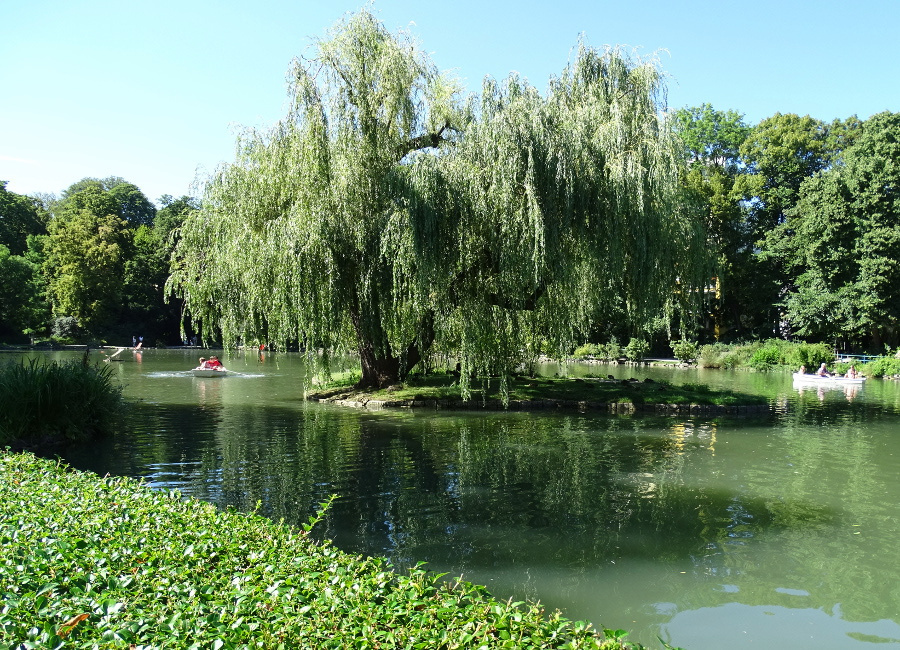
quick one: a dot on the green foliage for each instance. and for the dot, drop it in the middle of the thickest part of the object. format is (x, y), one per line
(389, 215)
(23, 306)
(20, 216)
(779, 155)
(685, 350)
(106, 261)
(886, 366)
(91, 562)
(85, 256)
(612, 350)
(65, 329)
(766, 357)
(723, 355)
(144, 274)
(711, 137)
(714, 356)
(589, 350)
(131, 204)
(842, 241)
(68, 401)
(637, 349)
(811, 355)
(169, 218)
(134, 207)
(712, 142)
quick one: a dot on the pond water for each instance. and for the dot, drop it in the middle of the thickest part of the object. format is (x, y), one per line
(706, 532)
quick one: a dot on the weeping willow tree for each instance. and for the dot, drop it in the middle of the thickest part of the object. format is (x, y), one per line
(389, 215)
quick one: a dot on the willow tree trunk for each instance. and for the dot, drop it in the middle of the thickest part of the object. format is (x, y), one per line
(379, 365)
(377, 371)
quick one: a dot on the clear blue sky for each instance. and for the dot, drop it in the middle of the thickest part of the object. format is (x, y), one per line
(152, 91)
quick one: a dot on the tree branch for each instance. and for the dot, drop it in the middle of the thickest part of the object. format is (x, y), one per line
(422, 141)
(528, 303)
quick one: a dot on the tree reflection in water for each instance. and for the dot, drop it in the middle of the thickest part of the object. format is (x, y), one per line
(630, 521)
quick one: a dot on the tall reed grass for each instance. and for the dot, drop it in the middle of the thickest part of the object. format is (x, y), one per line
(70, 401)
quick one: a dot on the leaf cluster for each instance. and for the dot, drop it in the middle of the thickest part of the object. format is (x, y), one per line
(20, 216)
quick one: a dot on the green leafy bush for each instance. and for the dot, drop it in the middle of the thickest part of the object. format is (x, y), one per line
(90, 562)
(811, 355)
(685, 350)
(65, 401)
(882, 367)
(636, 349)
(612, 350)
(713, 355)
(588, 350)
(766, 358)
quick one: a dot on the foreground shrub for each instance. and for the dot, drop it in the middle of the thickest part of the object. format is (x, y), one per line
(64, 401)
(90, 562)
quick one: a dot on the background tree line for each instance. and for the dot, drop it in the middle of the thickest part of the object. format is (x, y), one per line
(802, 220)
(88, 265)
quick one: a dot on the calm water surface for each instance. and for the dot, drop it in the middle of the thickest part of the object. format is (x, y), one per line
(707, 532)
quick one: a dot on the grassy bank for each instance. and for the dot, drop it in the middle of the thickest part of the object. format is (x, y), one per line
(43, 403)
(106, 562)
(524, 389)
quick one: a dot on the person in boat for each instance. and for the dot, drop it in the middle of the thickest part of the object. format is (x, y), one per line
(214, 363)
(823, 371)
(852, 373)
(204, 364)
(802, 370)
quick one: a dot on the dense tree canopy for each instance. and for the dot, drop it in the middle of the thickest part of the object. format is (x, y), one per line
(86, 250)
(841, 243)
(711, 137)
(133, 206)
(712, 141)
(16, 276)
(170, 217)
(91, 264)
(389, 215)
(20, 216)
(779, 154)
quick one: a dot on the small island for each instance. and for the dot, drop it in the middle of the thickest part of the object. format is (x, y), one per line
(442, 391)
